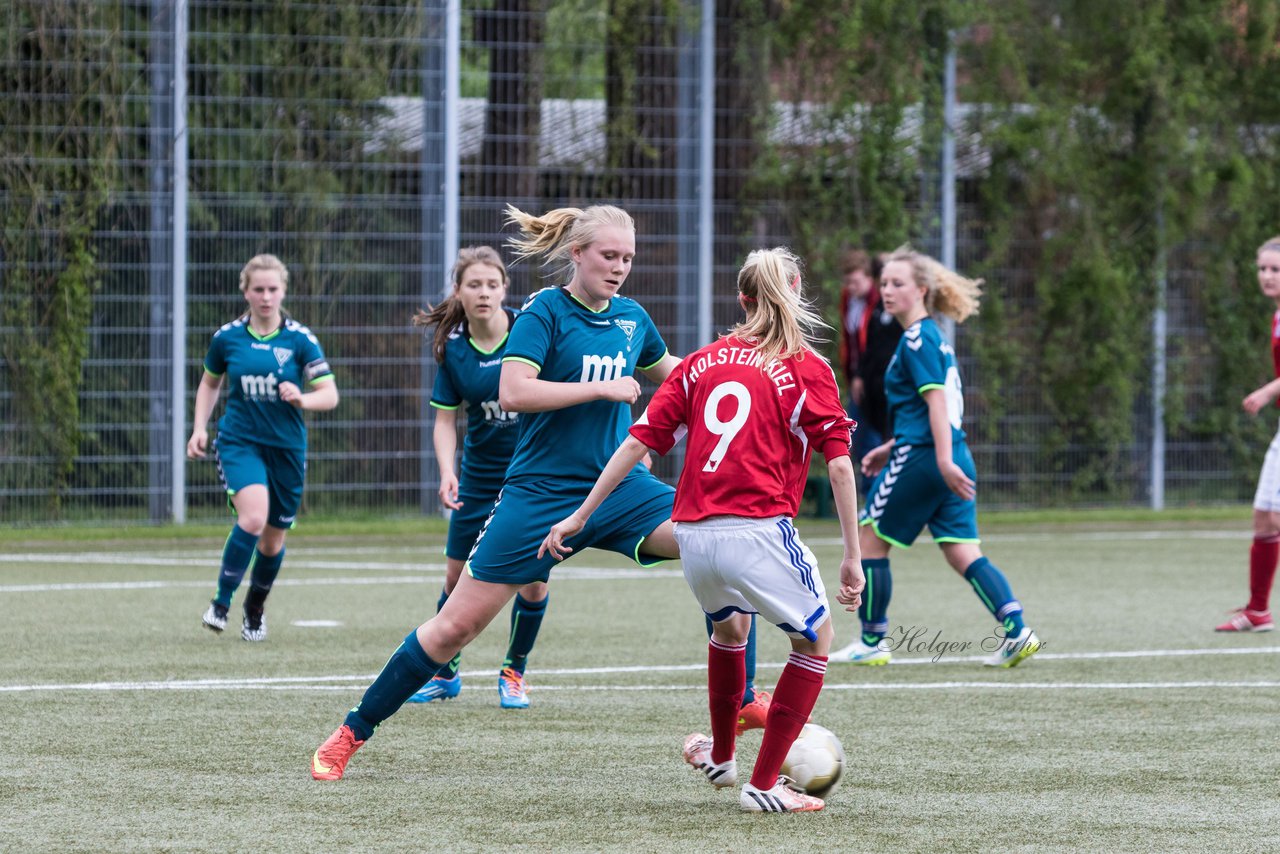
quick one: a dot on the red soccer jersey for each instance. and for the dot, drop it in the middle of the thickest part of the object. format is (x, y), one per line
(1275, 345)
(751, 431)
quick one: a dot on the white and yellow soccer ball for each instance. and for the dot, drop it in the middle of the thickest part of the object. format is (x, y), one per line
(815, 761)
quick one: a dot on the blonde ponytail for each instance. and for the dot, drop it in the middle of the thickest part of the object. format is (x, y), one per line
(557, 232)
(779, 321)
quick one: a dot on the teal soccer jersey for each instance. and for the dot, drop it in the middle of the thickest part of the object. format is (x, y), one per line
(923, 361)
(569, 343)
(470, 375)
(254, 367)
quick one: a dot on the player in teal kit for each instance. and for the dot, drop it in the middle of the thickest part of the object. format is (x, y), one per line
(568, 370)
(925, 473)
(471, 331)
(274, 369)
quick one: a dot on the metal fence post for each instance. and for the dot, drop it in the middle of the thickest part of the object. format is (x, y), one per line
(178, 336)
(160, 191)
(441, 40)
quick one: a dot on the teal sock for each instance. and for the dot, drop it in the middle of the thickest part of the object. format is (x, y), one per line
(526, 619)
(408, 668)
(749, 695)
(237, 553)
(994, 591)
(262, 575)
(874, 610)
(450, 670)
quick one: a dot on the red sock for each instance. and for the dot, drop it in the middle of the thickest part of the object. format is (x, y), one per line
(793, 700)
(726, 683)
(1262, 570)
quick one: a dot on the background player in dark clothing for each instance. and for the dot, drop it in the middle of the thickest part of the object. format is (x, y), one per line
(868, 336)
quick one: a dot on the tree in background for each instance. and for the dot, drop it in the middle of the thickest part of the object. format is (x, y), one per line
(512, 33)
(1121, 137)
(61, 131)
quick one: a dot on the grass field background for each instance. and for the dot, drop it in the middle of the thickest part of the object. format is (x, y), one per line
(130, 727)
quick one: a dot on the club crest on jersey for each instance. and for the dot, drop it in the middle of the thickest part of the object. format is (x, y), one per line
(282, 354)
(627, 326)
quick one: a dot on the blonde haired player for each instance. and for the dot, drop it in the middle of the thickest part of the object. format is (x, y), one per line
(275, 370)
(755, 405)
(924, 475)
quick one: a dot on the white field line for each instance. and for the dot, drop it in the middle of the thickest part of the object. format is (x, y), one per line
(435, 549)
(154, 557)
(916, 686)
(359, 681)
(206, 557)
(1075, 536)
(211, 558)
(570, 573)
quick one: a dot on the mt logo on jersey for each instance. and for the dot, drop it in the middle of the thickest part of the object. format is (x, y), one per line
(603, 368)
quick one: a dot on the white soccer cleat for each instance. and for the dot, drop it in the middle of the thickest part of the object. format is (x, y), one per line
(697, 752)
(254, 627)
(1015, 650)
(215, 617)
(859, 653)
(785, 796)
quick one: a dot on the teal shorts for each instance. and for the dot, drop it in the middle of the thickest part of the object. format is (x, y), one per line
(282, 470)
(507, 550)
(910, 493)
(465, 522)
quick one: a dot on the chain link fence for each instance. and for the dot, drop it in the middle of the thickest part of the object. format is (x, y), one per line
(152, 147)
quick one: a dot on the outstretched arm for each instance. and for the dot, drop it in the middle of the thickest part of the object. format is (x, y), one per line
(1263, 397)
(630, 452)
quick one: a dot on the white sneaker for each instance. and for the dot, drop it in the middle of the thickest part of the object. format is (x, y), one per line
(859, 653)
(254, 630)
(1015, 650)
(215, 617)
(785, 796)
(697, 752)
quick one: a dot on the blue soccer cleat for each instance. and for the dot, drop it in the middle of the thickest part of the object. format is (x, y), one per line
(438, 688)
(512, 691)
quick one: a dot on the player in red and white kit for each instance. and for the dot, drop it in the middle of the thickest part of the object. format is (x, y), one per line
(1265, 552)
(755, 405)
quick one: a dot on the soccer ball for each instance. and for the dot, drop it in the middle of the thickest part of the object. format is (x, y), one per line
(815, 761)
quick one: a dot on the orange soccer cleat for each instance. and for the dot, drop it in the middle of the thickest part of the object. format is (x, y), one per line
(331, 758)
(754, 714)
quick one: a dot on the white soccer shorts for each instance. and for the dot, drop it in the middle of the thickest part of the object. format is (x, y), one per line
(754, 566)
(1268, 495)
